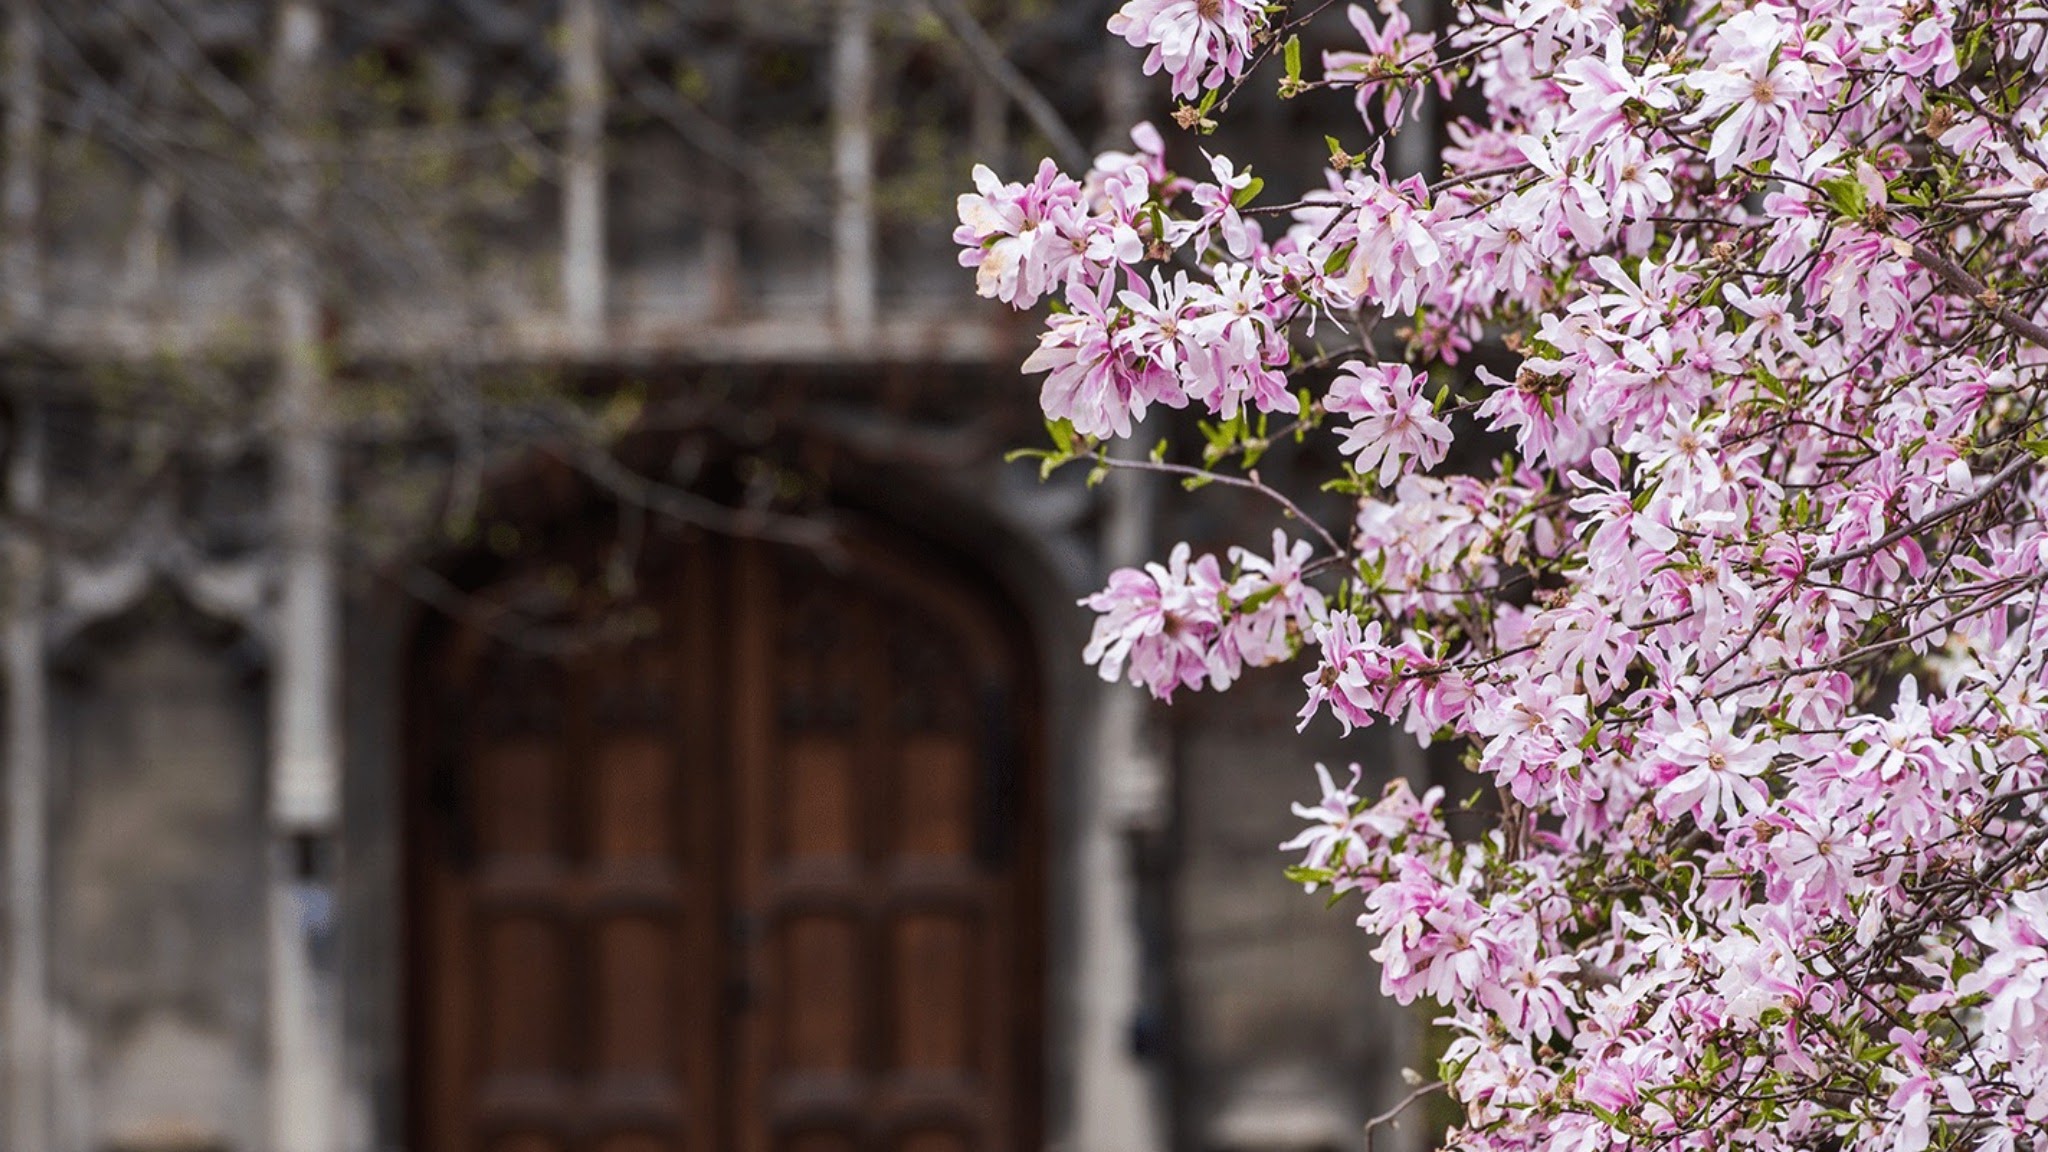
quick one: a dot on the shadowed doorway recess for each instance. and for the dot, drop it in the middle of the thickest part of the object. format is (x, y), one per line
(761, 873)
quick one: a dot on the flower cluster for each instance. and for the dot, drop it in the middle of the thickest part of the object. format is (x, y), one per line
(1200, 43)
(1123, 342)
(1183, 625)
(1746, 632)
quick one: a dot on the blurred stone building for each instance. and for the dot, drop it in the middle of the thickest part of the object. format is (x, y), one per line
(518, 636)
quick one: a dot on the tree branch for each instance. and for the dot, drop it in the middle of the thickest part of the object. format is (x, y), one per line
(1998, 480)
(1253, 484)
(975, 41)
(1373, 1125)
(1956, 277)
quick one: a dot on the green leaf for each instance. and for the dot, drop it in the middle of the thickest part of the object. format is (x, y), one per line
(1293, 51)
(1249, 192)
(1302, 874)
(1611, 1119)
(1847, 195)
(1062, 432)
(1259, 599)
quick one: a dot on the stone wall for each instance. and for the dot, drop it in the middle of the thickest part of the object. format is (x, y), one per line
(157, 909)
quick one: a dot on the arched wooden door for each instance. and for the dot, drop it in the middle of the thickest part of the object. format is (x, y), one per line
(764, 878)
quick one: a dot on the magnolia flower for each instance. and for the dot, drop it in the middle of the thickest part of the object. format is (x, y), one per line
(1200, 43)
(1219, 206)
(1333, 839)
(1393, 53)
(1713, 769)
(1755, 97)
(1516, 239)
(1161, 623)
(1392, 424)
(1353, 675)
(1277, 607)
(1918, 1088)
(1093, 379)
(1012, 234)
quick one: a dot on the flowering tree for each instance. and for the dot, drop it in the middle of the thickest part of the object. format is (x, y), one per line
(1746, 630)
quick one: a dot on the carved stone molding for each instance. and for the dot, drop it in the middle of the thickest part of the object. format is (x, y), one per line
(158, 552)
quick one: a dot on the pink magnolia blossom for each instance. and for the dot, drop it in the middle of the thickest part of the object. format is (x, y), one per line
(1354, 675)
(1093, 381)
(1018, 237)
(1276, 606)
(1755, 94)
(1712, 769)
(1200, 43)
(1393, 51)
(1393, 427)
(1160, 624)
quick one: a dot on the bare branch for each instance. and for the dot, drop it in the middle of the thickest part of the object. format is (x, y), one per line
(1956, 277)
(1373, 1125)
(1249, 484)
(975, 40)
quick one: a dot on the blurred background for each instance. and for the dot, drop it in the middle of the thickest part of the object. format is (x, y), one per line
(518, 636)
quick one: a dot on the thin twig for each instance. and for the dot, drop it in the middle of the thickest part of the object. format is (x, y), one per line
(1958, 278)
(1251, 484)
(1998, 480)
(689, 508)
(988, 55)
(1390, 1115)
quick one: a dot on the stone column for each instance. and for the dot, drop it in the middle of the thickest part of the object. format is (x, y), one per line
(27, 1024)
(26, 1035)
(583, 175)
(1117, 1101)
(1116, 1105)
(853, 167)
(305, 770)
(21, 184)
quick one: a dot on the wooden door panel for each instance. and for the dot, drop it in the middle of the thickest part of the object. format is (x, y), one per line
(724, 887)
(876, 1020)
(936, 1009)
(821, 815)
(820, 968)
(934, 816)
(933, 1140)
(525, 962)
(518, 785)
(637, 1142)
(818, 1140)
(635, 816)
(636, 1018)
(526, 1142)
